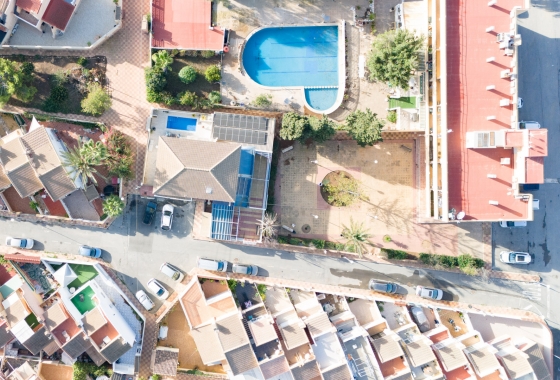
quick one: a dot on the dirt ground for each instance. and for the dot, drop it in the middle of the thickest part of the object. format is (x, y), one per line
(8, 123)
(56, 372)
(45, 70)
(201, 87)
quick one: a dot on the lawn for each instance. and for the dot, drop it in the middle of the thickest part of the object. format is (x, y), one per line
(406, 102)
(32, 321)
(201, 87)
(83, 300)
(47, 69)
(85, 273)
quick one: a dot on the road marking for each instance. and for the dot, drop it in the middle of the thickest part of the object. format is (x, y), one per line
(548, 301)
(533, 292)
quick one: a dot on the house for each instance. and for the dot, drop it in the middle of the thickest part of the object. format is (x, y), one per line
(221, 159)
(483, 360)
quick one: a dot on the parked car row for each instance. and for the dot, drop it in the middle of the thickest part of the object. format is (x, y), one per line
(157, 287)
(83, 250)
(392, 288)
(222, 266)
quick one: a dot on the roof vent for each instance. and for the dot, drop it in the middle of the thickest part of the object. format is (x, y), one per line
(209, 190)
(29, 152)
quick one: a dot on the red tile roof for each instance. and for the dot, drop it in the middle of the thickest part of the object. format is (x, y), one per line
(58, 14)
(22, 258)
(185, 24)
(534, 170)
(29, 5)
(538, 143)
(469, 104)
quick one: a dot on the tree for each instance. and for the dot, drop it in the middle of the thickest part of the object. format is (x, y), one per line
(94, 151)
(321, 129)
(162, 60)
(215, 97)
(81, 164)
(301, 127)
(155, 79)
(293, 126)
(213, 74)
(208, 53)
(357, 237)
(187, 98)
(26, 93)
(113, 206)
(263, 101)
(119, 155)
(268, 226)
(394, 57)
(97, 100)
(187, 74)
(11, 79)
(341, 189)
(27, 69)
(364, 127)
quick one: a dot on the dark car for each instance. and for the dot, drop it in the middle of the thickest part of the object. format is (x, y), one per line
(383, 287)
(150, 212)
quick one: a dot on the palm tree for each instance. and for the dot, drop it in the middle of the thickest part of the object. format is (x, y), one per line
(80, 164)
(95, 152)
(162, 60)
(113, 206)
(268, 226)
(356, 237)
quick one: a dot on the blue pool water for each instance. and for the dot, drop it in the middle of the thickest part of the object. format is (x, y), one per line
(321, 98)
(181, 123)
(295, 57)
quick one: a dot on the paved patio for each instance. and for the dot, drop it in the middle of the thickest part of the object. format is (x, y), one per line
(56, 372)
(389, 177)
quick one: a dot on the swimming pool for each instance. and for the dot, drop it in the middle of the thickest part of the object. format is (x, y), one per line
(307, 57)
(181, 123)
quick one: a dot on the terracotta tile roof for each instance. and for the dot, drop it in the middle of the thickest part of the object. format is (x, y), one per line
(25, 180)
(207, 344)
(339, 373)
(40, 151)
(308, 371)
(231, 332)
(275, 367)
(57, 183)
(38, 341)
(319, 324)
(4, 180)
(262, 330)
(29, 5)
(419, 352)
(114, 350)
(20, 258)
(516, 364)
(58, 14)
(54, 316)
(78, 345)
(241, 359)
(387, 347)
(93, 321)
(185, 25)
(51, 348)
(190, 169)
(164, 361)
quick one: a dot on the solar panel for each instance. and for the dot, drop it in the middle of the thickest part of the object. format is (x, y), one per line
(240, 128)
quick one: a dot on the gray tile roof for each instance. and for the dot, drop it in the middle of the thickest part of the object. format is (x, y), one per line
(97, 358)
(93, 321)
(536, 359)
(79, 207)
(339, 373)
(54, 316)
(231, 332)
(275, 367)
(241, 359)
(164, 361)
(57, 183)
(25, 181)
(308, 371)
(207, 344)
(319, 324)
(115, 350)
(5, 335)
(77, 345)
(41, 152)
(39, 340)
(197, 169)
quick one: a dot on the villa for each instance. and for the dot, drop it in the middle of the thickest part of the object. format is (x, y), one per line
(67, 310)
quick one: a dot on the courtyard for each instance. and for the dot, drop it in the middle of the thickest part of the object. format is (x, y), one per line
(390, 178)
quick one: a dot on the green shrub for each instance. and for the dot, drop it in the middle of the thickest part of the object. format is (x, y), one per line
(395, 254)
(187, 74)
(82, 61)
(167, 98)
(263, 100)
(320, 244)
(191, 53)
(97, 100)
(465, 261)
(208, 53)
(295, 241)
(478, 263)
(51, 106)
(339, 246)
(282, 240)
(215, 97)
(34, 206)
(155, 79)
(27, 68)
(392, 116)
(427, 259)
(59, 94)
(448, 261)
(202, 104)
(187, 98)
(153, 96)
(213, 74)
(82, 370)
(26, 93)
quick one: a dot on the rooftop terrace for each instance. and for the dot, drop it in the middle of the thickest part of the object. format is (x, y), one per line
(84, 301)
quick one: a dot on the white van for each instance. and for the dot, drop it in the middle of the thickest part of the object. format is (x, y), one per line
(529, 125)
(209, 264)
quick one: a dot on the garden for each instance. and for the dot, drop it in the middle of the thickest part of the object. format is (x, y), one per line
(187, 80)
(74, 85)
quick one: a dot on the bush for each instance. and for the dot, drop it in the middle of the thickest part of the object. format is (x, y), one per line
(301, 127)
(97, 100)
(208, 53)
(153, 96)
(427, 259)
(263, 100)
(395, 254)
(465, 261)
(26, 93)
(215, 97)
(320, 244)
(59, 94)
(448, 261)
(27, 68)
(392, 116)
(187, 98)
(282, 240)
(364, 127)
(213, 74)
(155, 80)
(187, 74)
(82, 61)
(167, 98)
(202, 104)
(82, 370)
(296, 241)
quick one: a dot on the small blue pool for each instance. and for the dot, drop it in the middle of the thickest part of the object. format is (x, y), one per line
(321, 98)
(181, 123)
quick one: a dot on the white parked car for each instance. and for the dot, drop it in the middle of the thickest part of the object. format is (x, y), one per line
(158, 289)
(171, 272)
(167, 217)
(88, 251)
(515, 257)
(251, 270)
(143, 298)
(431, 293)
(19, 243)
(518, 224)
(528, 125)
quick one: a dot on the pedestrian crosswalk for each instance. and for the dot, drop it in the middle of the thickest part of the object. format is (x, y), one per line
(532, 291)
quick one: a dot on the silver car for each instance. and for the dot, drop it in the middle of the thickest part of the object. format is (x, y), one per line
(431, 293)
(383, 287)
(158, 289)
(19, 242)
(167, 217)
(143, 298)
(250, 270)
(515, 257)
